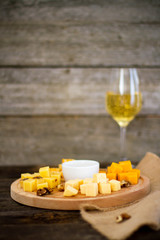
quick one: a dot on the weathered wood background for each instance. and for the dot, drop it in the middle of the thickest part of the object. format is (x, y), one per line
(56, 58)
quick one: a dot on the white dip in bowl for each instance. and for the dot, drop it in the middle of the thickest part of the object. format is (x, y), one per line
(79, 169)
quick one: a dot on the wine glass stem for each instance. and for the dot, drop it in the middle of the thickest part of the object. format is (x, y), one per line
(122, 142)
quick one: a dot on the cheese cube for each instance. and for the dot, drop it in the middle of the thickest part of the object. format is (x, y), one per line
(122, 176)
(109, 170)
(22, 180)
(56, 176)
(36, 174)
(99, 177)
(38, 180)
(87, 180)
(29, 185)
(104, 188)
(70, 191)
(52, 182)
(126, 165)
(116, 168)
(44, 172)
(80, 181)
(55, 173)
(60, 167)
(66, 160)
(42, 185)
(132, 177)
(115, 185)
(137, 171)
(72, 183)
(26, 175)
(111, 176)
(83, 188)
(91, 189)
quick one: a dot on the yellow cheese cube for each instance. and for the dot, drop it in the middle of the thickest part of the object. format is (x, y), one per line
(36, 174)
(83, 188)
(56, 176)
(44, 172)
(99, 177)
(52, 182)
(60, 167)
(42, 185)
(115, 185)
(70, 191)
(56, 173)
(29, 185)
(26, 175)
(22, 180)
(38, 180)
(104, 188)
(91, 189)
(72, 183)
(66, 160)
(87, 180)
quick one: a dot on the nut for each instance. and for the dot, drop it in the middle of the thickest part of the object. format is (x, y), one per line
(44, 191)
(38, 177)
(125, 183)
(122, 217)
(60, 187)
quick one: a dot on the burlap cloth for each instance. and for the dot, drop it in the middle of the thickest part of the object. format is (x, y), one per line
(143, 212)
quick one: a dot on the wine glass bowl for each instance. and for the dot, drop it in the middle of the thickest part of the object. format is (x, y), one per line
(124, 100)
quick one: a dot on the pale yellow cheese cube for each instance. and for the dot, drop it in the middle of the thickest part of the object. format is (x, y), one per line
(91, 189)
(52, 182)
(70, 191)
(29, 185)
(115, 185)
(26, 175)
(42, 185)
(83, 188)
(44, 172)
(72, 183)
(87, 180)
(104, 188)
(99, 177)
(57, 176)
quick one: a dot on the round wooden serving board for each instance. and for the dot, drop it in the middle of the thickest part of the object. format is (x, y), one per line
(56, 200)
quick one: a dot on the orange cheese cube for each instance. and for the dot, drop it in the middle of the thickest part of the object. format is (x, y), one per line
(122, 176)
(111, 176)
(109, 169)
(116, 168)
(132, 177)
(137, 171)
(66, 160)
(126, 165)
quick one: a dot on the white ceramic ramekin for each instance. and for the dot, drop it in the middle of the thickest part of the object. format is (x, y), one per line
(79, 169)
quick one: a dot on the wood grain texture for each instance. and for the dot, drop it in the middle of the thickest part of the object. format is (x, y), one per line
(45, 141)
(78, 33)
(67, 91)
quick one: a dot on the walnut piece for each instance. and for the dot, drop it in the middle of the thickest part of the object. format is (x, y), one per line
(122, 217)
(125, 183)
(44, 191)
(60, 187)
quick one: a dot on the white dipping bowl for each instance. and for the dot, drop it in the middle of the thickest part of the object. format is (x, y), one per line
(79, 169)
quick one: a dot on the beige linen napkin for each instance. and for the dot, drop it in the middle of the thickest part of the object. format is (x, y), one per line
(143, 212)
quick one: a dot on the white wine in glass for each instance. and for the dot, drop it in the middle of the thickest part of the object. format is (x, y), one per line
(124, 100)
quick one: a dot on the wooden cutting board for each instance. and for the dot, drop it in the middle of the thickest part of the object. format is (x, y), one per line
(56, 200)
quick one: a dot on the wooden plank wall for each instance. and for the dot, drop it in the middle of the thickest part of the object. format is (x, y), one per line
(56, 61)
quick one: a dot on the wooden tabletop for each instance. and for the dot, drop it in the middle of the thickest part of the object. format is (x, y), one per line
(22, 222)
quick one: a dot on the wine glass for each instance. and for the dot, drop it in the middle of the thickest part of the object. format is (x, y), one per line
(123, 100)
